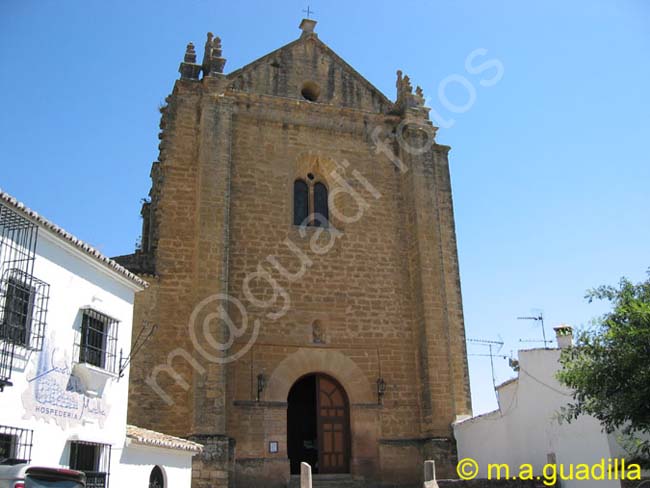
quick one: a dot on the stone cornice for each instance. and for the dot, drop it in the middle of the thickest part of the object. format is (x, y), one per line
(307, 114)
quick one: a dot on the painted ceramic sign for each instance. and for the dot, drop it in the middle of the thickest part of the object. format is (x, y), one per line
(55, 394)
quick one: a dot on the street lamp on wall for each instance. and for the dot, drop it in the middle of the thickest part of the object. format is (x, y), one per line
(261, 385)
(381, 390)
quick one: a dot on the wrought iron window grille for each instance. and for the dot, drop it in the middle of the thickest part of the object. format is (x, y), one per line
(23, 309)
(96, 342)
(15, 445)
(94, 460)
(23, 298)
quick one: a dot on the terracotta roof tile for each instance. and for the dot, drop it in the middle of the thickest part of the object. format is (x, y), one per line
(152, 438)
(87, 248)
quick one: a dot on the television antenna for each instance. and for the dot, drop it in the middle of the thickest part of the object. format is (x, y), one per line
(537, 318)
(491, 345)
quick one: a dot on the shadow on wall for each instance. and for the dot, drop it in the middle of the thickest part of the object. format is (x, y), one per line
(143, 456)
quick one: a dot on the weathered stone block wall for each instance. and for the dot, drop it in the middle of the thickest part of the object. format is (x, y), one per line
(168, 303)
(213, 467)
(400, 462)
(357, 291)
(283, 73)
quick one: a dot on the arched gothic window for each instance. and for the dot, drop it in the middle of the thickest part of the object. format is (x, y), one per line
(320, 205)
(300, 202)
(310, 204)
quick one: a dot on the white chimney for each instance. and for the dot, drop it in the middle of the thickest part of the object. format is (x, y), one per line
(564, 336)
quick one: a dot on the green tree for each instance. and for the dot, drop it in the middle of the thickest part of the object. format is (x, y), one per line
(609, 367)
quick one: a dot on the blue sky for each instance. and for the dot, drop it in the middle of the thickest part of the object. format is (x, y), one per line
(549, 166)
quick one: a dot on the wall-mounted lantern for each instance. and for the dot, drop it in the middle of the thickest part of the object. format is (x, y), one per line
(261, 385)
(381, 389)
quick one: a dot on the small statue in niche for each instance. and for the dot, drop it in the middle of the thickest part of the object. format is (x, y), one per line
(317, 332)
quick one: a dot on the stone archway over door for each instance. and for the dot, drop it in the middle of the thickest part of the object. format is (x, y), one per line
(333, 363)
(318, 425)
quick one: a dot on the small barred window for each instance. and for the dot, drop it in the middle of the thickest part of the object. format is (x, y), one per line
(97, 341)
(94, 460)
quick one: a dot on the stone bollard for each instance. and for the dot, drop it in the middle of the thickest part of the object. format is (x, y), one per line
(430, 474)
(305, 475)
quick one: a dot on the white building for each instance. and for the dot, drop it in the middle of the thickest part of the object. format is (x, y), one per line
(527, 429)
(65, 338)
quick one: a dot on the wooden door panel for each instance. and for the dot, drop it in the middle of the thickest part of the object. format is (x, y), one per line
(333, 427)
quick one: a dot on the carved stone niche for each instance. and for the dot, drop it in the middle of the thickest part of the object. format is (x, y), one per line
(318, 332)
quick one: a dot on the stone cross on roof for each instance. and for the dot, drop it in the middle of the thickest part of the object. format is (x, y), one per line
(309, 11)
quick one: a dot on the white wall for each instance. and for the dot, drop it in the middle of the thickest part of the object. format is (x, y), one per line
(526, 428)
(77, 280)
(74, 283)
(137, 461)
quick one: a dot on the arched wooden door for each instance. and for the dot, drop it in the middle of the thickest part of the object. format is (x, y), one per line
(333, 420)
(318, 425)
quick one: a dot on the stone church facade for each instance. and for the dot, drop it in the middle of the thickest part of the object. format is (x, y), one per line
(300, 247)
